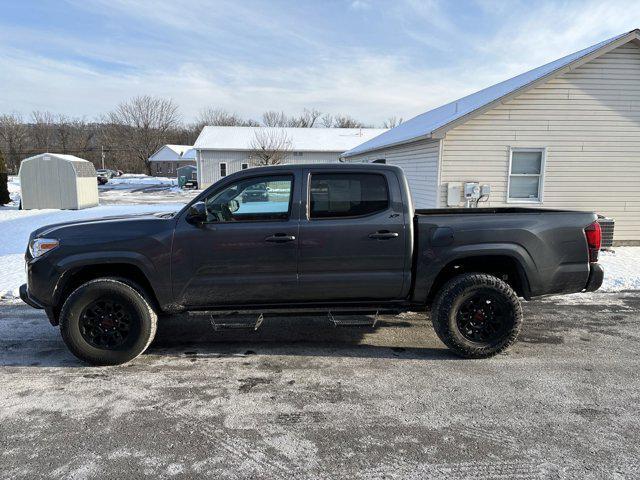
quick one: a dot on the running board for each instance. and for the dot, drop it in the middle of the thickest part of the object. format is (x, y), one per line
(234, 320)
(353, 322)
(222, 324)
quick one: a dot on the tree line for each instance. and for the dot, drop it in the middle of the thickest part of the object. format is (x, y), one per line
(129, 134)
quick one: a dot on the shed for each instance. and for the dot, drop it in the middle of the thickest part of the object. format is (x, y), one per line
(186, 173)
(56, 180)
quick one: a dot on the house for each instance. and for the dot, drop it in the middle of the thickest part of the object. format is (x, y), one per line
(224, 150)
(563, 135)
(169, 158)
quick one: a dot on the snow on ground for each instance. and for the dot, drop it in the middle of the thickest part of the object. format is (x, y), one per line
(139, 179)
(14, 189)
(622, 269)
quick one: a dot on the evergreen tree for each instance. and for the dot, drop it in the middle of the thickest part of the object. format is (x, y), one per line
(4, 177)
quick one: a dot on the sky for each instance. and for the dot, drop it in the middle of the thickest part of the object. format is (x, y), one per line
(370, 59)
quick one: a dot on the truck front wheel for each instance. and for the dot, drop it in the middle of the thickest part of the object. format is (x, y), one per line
(107, 322)
(477, 315)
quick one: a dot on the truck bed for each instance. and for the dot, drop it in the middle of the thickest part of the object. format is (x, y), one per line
(546, 247)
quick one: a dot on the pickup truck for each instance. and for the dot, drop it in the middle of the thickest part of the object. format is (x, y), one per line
(341, 238)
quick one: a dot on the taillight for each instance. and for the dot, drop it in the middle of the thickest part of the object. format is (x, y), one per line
(594, 240)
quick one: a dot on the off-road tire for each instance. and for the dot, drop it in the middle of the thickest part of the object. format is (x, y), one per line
(451, 296)
(122, 290)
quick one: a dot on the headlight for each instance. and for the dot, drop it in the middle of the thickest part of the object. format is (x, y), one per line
(40, 246)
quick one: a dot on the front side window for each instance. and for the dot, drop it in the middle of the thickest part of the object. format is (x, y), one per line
(526, 175)
(252, 199)
(335, 195)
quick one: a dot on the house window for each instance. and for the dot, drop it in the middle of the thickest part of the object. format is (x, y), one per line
(526, 175)
(223, 169)
(380, 160)
(244, 166)
(158, 167)
(297, 154)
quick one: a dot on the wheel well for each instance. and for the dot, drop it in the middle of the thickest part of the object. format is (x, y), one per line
(501, 266)
(124, 271)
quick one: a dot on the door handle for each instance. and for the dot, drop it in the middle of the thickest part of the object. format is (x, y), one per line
(383, 235)
(280, 238)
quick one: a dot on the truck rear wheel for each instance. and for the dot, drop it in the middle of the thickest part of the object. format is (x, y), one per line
(107, 322)
(477, 315)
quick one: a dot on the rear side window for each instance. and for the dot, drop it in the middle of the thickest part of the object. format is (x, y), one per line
(335, 195)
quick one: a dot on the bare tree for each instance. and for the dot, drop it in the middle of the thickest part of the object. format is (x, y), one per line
(272, 118)
(64, 133)
(13, 134)
(141, 126)
(307, 118)
(392, 122)
(327, 120)
(42, 130)
(219, 117)
(269, 146)
(4, 178)
(346, 121)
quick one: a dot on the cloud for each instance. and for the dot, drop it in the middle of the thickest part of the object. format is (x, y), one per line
(247, 59)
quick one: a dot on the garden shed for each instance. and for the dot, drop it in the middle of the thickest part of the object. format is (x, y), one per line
(55, 180)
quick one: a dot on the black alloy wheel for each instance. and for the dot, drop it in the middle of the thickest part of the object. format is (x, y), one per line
(483, 317)
(107, 323)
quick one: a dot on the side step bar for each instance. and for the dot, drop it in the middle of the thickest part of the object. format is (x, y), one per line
(224, 320)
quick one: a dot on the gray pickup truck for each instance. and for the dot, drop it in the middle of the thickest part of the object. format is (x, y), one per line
(343, 239)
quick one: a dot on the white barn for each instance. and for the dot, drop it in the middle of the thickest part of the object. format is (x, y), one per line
(224, 150)
(56, 180)
(564, 135)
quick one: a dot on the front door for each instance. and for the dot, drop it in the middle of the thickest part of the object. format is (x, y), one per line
(246, 251)
(353, 243)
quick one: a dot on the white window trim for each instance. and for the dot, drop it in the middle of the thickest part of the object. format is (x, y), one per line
(226, 169)
(540, 199)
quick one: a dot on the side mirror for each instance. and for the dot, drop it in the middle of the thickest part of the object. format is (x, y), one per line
(197, 213)
(233, 205)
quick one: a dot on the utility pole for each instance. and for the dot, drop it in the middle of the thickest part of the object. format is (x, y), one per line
(102, 151)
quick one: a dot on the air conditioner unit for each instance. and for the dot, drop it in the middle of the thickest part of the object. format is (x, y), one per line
(606, 226)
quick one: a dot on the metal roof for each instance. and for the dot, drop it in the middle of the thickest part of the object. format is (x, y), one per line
(424, 125)
(301, 139)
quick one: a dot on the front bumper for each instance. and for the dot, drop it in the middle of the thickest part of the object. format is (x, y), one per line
(29, 300)
(596, 276)
(26, 298)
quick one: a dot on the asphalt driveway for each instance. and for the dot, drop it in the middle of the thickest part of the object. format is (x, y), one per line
(303, 399)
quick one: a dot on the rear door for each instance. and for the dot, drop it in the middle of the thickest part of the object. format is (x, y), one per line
(246, 252)
(352, 236)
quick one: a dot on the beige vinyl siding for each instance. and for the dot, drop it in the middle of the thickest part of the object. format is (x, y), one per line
(588, 120)
(208, 162)
(419, 161)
